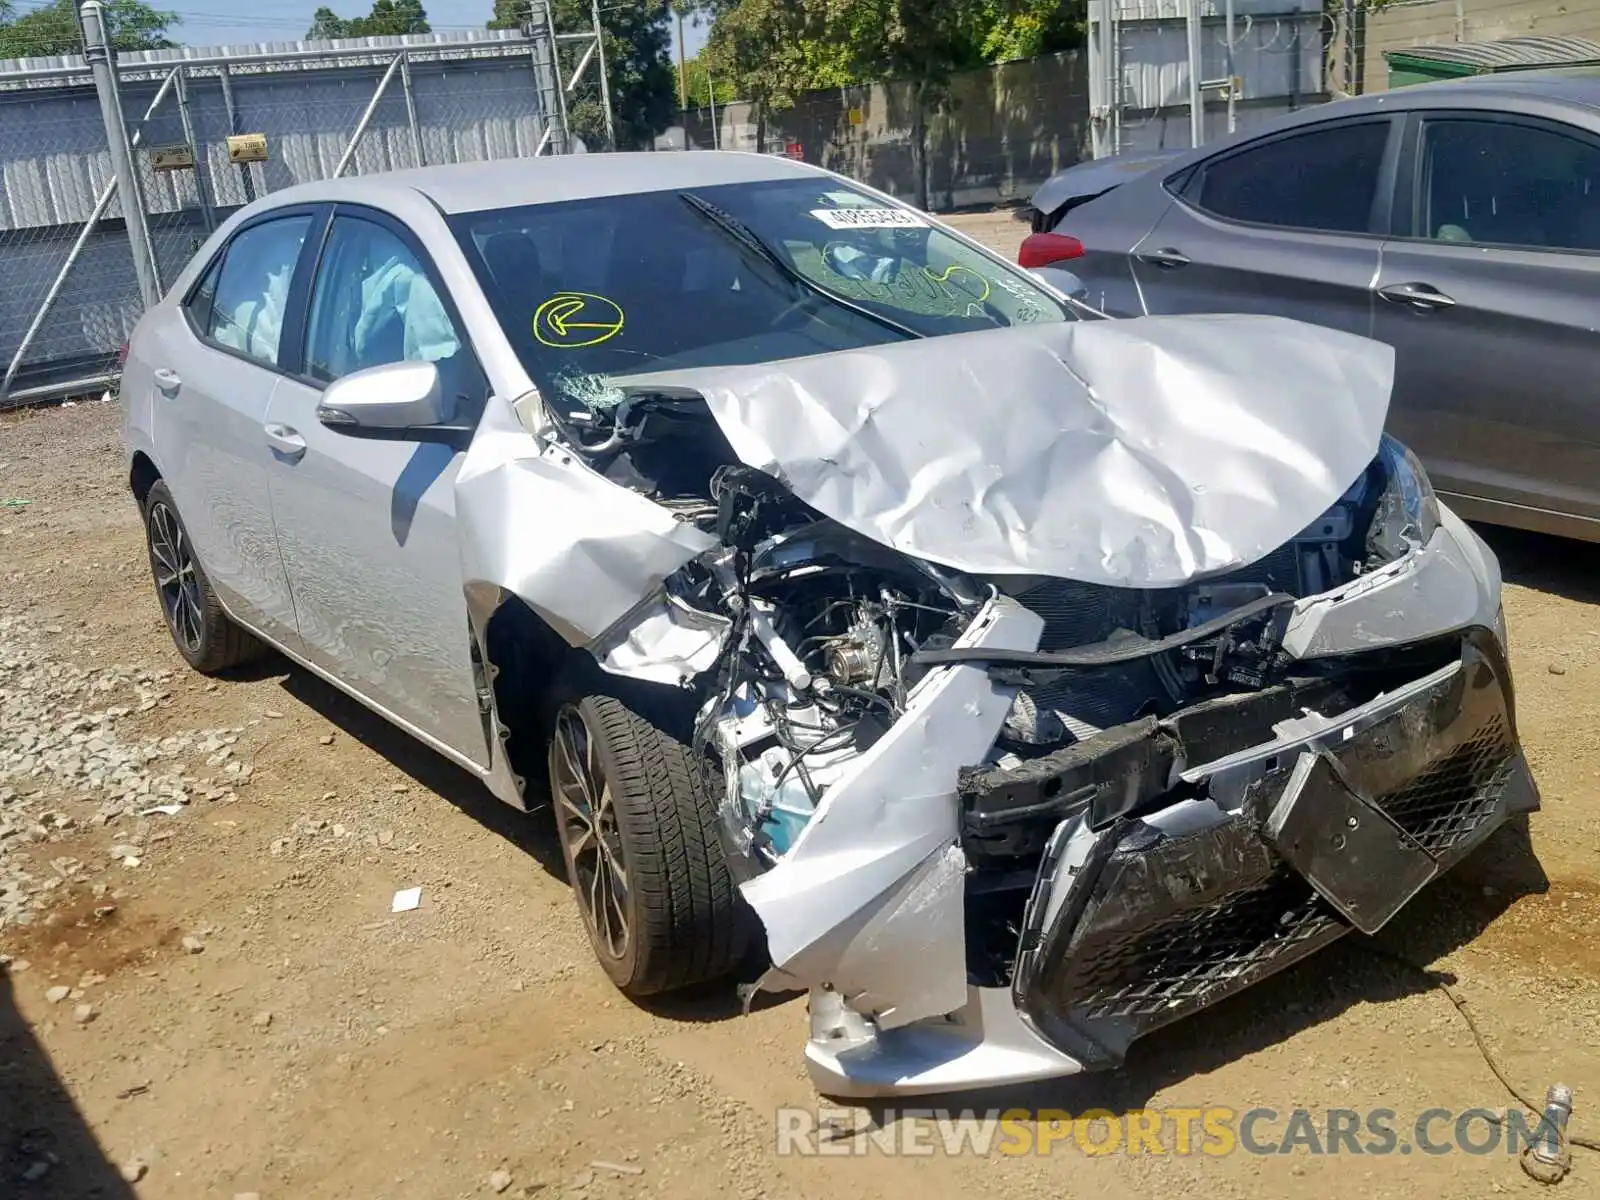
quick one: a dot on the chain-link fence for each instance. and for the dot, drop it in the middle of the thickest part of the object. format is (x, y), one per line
(210, 133)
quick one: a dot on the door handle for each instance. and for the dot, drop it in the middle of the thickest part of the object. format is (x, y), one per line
(285, 441)
(167, 380)
(1166, 258)
(1423, 297)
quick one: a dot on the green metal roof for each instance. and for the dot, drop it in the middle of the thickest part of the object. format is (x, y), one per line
(1507, 54)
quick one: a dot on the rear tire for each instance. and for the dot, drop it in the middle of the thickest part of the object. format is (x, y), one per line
(204, 634)
(638, 828)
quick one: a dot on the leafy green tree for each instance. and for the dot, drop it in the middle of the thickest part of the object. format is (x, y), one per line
(639, 72)
(388, 18)
(53, 29)
(699, 80)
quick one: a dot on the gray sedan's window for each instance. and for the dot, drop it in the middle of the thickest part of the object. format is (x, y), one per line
(1509, 184)
(1323, 179)
(595, 290)
(247, 312)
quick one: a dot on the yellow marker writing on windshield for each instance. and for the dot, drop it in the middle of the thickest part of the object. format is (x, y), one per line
(944, 277)
(573, 320)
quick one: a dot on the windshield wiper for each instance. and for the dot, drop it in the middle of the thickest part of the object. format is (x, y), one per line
(753, 242)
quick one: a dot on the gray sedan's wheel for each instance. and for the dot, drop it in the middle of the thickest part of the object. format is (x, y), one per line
(204, 635)
(638, 831)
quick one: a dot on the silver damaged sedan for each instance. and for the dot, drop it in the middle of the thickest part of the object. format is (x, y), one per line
(1012, 680)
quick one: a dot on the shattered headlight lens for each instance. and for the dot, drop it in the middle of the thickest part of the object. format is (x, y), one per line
(1407, 512)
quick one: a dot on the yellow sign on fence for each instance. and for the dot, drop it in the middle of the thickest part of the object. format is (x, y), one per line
(171, 158)
(248, 148)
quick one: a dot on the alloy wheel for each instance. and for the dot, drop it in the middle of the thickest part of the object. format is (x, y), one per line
(590, 836)
(177, 577)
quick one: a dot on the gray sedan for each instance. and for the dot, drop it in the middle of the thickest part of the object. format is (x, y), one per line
(850, 595)
(1459, 222)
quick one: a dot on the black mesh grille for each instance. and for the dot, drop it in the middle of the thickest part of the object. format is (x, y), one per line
(1451, 801)
(1184, 962)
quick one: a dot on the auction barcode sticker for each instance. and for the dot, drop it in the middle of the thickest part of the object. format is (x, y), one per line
(867, 218)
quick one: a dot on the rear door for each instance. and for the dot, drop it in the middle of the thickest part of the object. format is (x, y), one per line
(1290, 225)
(1489, 297)
(215, 364)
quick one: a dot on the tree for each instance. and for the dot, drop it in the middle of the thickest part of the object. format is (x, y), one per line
(638, 41)
(388, 18)
(698, 78)
(53, 29)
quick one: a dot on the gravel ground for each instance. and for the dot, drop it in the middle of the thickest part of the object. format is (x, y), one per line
(205, 992)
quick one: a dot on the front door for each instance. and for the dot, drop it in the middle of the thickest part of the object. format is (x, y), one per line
(367, 526)
(1490, 306)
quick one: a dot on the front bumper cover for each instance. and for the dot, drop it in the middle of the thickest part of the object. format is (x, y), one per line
(1141, 915)
(1293, 844)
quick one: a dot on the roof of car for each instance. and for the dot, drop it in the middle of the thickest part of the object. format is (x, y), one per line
(475, 187)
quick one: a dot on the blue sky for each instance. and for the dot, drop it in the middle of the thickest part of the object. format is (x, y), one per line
(215, 22)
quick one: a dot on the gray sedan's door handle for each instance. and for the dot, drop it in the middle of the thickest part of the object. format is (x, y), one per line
(167, 380)
(1166, 258)
(285, 441)
(1421, 296)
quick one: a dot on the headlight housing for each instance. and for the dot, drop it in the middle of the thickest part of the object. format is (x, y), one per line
(1407, 511)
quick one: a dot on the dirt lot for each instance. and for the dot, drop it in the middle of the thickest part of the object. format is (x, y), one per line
(239, 1012)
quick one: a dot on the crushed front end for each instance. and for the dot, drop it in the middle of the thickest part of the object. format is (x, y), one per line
(1051, 683)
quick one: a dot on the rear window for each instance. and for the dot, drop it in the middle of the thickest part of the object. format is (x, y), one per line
(595, 290)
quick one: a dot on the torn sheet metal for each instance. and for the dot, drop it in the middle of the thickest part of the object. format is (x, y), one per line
(668, 643)
(893, 811)
(581, 551)
(1143, 453)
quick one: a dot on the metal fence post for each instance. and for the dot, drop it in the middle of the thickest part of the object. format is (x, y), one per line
(1197, 110)
(366, 117)
(202, 185)
(231, 107)
(98, 55)
(411, 109)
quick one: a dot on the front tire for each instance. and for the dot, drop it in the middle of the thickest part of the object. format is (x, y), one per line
(203, 633)
(638, 830)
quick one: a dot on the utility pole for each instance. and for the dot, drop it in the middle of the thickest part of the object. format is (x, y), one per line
(97, 52)
(683, 68)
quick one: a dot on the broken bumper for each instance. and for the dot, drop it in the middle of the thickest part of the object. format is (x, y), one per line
(1264, 855)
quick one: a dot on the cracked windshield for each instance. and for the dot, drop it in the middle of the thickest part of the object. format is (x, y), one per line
(594, 292)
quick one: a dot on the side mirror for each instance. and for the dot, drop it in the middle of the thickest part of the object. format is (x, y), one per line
(397, 400)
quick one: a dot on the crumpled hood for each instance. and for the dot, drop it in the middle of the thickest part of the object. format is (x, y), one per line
(1143, 453)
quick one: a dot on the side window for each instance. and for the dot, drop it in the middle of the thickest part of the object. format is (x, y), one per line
(253, 286)
(373, 304)
(203, 300)
(1323, 179)
(1509, 184)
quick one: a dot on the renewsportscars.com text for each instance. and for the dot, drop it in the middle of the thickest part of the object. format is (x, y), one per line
(1214, 1132)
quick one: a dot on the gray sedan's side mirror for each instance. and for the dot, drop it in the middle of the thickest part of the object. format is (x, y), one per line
(397, 397)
